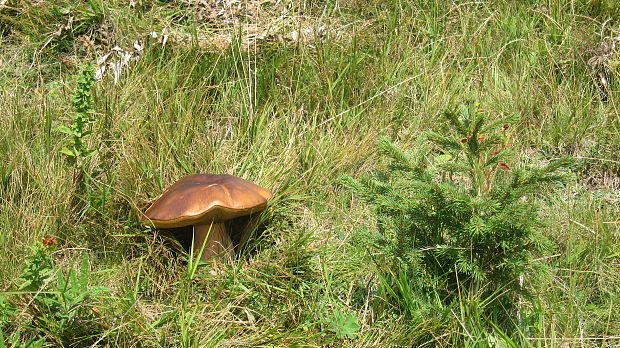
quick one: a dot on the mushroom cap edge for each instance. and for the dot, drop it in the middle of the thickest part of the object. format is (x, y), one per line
(203, 198)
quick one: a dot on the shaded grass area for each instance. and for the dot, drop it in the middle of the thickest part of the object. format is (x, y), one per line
(294, 116)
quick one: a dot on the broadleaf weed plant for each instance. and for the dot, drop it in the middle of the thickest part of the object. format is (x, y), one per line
(77, 151)
(81, 119)
(463, 226)
(57, 298)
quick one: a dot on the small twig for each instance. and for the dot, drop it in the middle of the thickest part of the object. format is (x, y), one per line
(583, 226)
(462, 324)
(443, 247)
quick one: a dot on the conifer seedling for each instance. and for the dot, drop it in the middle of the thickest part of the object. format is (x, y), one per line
(467, 219)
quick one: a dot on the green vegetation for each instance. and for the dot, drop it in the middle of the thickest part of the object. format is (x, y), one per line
(81, 121)
(79, 129)
(58, 302)
(442, 242)
(458, 229)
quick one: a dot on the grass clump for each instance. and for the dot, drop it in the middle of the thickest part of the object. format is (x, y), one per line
(462, 225)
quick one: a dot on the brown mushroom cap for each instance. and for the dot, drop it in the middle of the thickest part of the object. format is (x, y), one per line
(204, 198)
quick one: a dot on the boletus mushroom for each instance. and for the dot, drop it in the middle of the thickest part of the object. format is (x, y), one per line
(206, 202)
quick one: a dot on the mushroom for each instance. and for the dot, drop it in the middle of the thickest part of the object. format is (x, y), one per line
(206, 202)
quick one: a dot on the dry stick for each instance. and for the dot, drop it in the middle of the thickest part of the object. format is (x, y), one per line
(583, 226)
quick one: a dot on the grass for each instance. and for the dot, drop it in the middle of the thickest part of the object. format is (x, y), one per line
(293, 116)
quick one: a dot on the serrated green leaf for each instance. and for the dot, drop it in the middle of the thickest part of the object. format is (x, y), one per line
(344, 324)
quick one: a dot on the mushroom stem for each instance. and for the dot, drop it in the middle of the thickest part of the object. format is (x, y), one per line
(217, 241)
